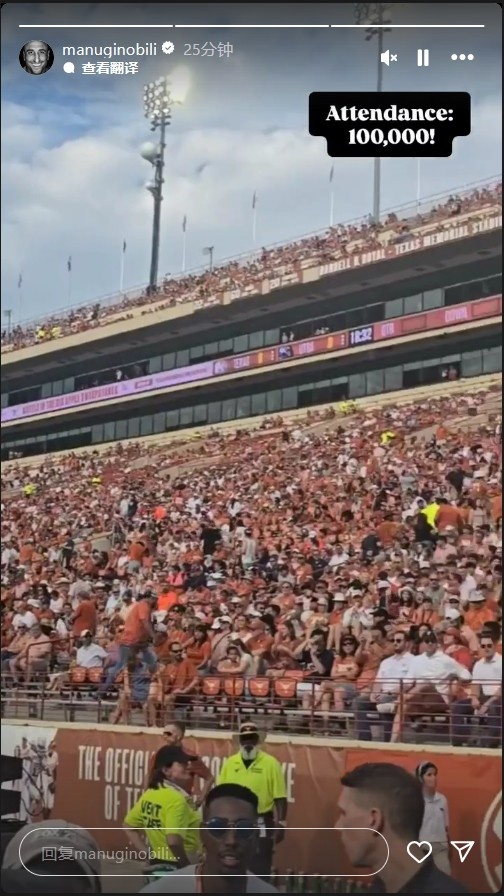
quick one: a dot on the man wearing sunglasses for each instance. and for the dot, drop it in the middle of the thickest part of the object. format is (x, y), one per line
(486, 696)
(230, 835)
(392, 671)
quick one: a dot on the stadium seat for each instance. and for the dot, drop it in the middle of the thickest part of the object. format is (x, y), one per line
(78, 675)
(211, 686)
(259, 692)
(259, 688)
(234, 687)
(284, 696)
(209, 698)
(95, 675)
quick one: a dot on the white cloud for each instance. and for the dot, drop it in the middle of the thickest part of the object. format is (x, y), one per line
(73, 181)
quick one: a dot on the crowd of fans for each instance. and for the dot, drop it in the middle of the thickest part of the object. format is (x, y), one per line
(242, 275)
(351, 569)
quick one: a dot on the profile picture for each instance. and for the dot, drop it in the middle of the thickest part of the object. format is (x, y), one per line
(36, 57)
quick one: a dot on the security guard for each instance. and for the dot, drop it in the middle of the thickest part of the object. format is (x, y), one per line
(263, 775)
(164, 815)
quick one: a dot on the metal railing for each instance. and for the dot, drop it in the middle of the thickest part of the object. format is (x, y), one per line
(432, 712)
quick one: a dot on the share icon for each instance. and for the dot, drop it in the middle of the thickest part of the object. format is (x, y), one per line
(463, 848)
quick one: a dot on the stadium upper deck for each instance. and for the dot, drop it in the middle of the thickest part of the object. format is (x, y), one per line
(284, 270)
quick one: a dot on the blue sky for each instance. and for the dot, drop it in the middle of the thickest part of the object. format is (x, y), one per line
(73, 180)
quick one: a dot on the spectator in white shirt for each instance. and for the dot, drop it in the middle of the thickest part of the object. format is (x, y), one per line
(339, 558)
(23, 616)
(90, 655)
(56, 603)
(394, 675)
(436, 820)
(113, 600)
(486, 697)
(432, 671)
(468, 585)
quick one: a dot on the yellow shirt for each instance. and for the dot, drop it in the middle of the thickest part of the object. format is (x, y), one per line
(163, 808)
(192, 838)
(431, 512)
(264, 777)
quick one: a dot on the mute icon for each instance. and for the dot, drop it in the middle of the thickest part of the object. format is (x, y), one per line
(387, 57)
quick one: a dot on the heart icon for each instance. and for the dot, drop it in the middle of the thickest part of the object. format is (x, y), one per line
(423, 846)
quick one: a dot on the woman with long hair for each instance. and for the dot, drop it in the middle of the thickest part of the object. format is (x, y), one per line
(198, 648)
(284, 645)
(164, 816)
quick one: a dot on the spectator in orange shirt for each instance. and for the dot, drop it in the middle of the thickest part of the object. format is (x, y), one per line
(261, 641)
(178, 679)
(161, 643)
(373, 648)
(284, 645)
(85, 614)
(425, 614)
(496, 508)
(168, 598)
(478, 612)
(198, 648)
(26, 552)
(344, 674)
(387, 531)
(136, 552)
(138, 633)
(448, 517)
(453, 646)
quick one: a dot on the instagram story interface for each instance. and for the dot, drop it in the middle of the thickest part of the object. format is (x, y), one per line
(251, 448)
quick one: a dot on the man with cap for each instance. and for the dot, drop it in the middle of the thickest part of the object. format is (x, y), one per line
(261, 773)
(90, 655)
(432, 673)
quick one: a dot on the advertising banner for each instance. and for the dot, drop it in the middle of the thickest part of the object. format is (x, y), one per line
(436, 319)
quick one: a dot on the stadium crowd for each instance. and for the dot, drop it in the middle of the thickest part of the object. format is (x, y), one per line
(351, 569)
(242, 275)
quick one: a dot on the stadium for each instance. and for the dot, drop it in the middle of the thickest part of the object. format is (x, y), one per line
(352, 512)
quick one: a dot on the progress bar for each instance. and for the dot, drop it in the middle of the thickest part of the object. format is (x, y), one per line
(227, 27)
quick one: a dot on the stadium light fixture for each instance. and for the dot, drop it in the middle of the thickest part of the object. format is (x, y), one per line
(377, 17)
(158, 102)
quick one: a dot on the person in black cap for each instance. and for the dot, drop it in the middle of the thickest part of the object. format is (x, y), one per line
(382, 805)
(164, 815)
(261, 773)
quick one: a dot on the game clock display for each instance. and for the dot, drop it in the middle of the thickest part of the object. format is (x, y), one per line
(362, 336)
